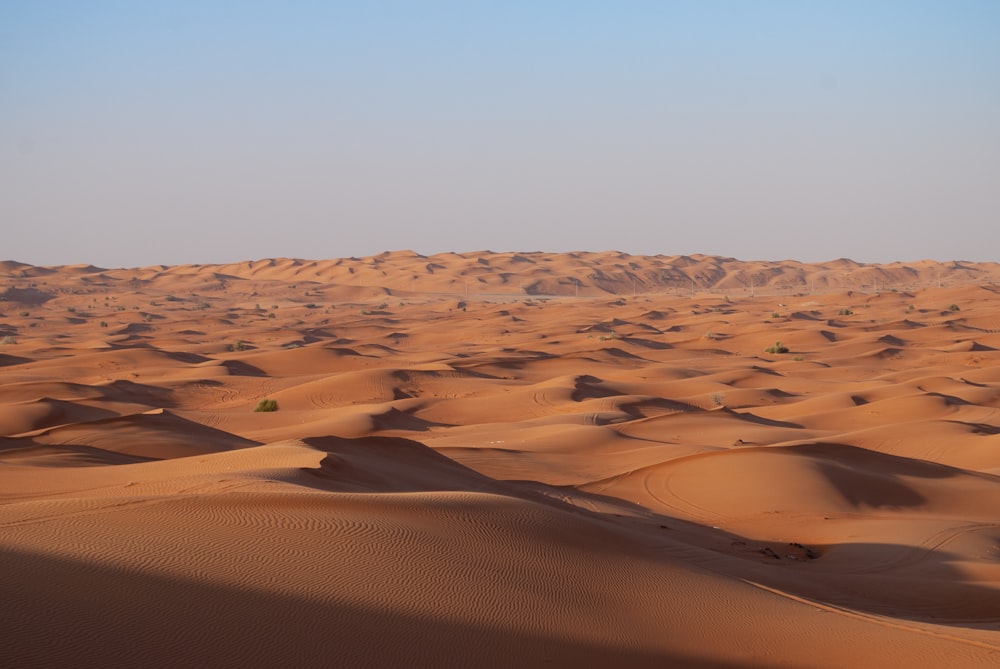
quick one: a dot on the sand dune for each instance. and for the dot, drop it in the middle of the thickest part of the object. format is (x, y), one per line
(501, 459)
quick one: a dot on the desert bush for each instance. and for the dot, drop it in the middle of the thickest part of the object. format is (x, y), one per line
(104, 324)
(266, 405)
(718, 399)
(777, 348)
(845, 312)
(953, 307)
(25, 314)
(238, 345)
(775, 314)
(9, 339)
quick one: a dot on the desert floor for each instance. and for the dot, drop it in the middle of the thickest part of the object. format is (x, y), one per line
(510, 460)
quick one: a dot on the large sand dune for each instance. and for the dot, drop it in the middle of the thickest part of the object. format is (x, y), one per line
(501, 459)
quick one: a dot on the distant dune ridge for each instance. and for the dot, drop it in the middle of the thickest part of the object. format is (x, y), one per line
(501, 459)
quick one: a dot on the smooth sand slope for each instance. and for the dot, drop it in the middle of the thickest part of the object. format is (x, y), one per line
(509, 460)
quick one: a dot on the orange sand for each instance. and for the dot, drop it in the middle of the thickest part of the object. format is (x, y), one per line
(509, 460)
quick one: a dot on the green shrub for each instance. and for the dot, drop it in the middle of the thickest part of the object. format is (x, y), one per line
(239, 345)
(777, 348)
(953, 307)
(266, 405)
(9, 339)
(845, 312)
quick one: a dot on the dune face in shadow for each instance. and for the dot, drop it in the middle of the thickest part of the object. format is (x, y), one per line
(500, 459)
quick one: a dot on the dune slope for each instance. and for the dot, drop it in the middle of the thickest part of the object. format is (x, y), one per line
(501, 459)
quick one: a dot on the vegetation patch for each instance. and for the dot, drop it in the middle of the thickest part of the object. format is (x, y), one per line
(266, 405)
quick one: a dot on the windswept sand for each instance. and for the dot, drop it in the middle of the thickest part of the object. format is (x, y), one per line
(509, 460)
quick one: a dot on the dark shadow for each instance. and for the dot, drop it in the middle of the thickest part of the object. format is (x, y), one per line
(977, 428)
(619, 353)
(949, 400)
(138, 393)
(648, 343)
(133, 328)
(240, 368)
(26, 296)
(866, 577)
(11, 360)
(588, 387)
(759, 420)
(42, 455)
(635, 409)
(863, 459)
(185, 357)
(387, 465)
(162, 433)
(891, 340)
(871, 491)
(394, 419)
(343, 351)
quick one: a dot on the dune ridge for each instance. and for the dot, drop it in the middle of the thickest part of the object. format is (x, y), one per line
(501, 459)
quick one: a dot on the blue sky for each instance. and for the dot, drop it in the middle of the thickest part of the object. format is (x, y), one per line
(136, 133)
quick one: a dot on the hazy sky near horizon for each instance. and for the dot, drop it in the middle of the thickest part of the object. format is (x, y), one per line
(135, 133)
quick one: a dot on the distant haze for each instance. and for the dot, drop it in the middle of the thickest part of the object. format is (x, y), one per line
(136, 133)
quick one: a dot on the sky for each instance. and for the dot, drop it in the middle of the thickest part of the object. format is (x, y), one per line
(156, 132)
